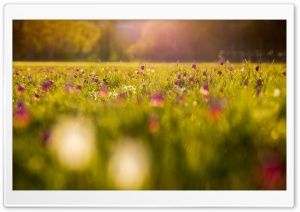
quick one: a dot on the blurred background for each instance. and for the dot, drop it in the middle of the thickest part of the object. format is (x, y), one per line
(137, 40)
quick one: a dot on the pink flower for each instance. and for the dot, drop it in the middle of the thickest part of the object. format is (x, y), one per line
(103, 92)
(157, 100)
(69, 87)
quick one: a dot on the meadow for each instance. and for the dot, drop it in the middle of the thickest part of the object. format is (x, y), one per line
(149, 126)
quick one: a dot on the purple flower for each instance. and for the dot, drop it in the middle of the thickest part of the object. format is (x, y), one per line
(142, 67)
(194, 66)
(178, 76)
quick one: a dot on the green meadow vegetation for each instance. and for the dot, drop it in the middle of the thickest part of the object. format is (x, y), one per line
(149, 126)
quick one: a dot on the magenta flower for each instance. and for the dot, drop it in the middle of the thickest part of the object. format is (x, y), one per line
(191, 79)
(184, 74)
(179, 76)
(46, 85)
(86, 81)
(36, 96)
(21, 89)
(78, 88)
(194, 66)
(157, 100)
(204, 89)
(142, 67)
(21, 117)
(176, 83)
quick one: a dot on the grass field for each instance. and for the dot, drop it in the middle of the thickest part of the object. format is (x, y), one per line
(153, 126)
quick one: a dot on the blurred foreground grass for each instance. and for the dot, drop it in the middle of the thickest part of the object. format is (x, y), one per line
(156, 126)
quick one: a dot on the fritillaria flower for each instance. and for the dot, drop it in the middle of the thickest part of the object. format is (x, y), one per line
(36, 96)
(103, 92)
(21, 117)
(21, 89)
(154, 124)
(194, 66)
(78, 88)
(157, 100)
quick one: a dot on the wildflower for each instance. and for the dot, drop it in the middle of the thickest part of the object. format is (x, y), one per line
(245, 83)
(184, 74)
(46, 85)
(256, 68)
(204, 75)
(191, 79)
(221, 63)
(204, 89)
(121, 97)
(157, 100)
(78, 88)
(36, 96)
(180, 99)
(21, 117)
(216, 109)
(194, 66)
(283, 74)
(21, 89)
(69, 87)
(259, 82)
(103, 92)
(276, 92)
(86, 81)
(142, 67)
(179, 76)
(75, 76)
(154, 124)
(220, 73)
(29, 78)
(46, 137)
(176, 83)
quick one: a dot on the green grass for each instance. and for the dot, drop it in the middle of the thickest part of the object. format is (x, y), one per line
(241, 145)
